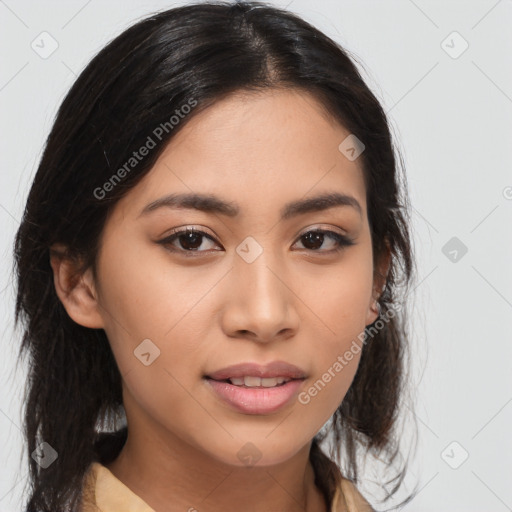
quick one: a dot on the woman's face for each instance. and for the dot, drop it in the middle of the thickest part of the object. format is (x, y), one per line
(262, 284)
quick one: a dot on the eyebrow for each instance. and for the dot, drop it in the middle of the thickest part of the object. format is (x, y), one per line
(213, 204)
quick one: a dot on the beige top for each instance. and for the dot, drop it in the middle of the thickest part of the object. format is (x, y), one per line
(111, 495)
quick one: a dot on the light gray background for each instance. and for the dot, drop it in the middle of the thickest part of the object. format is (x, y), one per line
(452, 120)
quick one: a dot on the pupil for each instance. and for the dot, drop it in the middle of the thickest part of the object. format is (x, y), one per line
(189, 241)
(314, 237)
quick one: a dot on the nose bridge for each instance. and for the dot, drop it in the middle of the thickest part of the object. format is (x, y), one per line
(260, 280)
(260, 302)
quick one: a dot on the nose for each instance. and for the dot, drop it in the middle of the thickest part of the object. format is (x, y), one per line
(260, 303)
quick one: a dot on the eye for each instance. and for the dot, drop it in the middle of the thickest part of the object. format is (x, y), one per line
(190, 240)
(314, 239)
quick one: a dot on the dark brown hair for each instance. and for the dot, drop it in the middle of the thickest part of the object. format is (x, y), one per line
(204, 52)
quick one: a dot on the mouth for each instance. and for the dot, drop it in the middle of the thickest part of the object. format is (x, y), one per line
(251, 388)
(255, 381)
(255, 395)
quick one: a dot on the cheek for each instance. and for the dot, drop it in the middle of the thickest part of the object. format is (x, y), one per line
(340, 309)
(147, 298)
(334, 372)
(336, 366)
(338, 300)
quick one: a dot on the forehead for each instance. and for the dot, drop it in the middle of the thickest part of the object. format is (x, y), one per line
(255, 149)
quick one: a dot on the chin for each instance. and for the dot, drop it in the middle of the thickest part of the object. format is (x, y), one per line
(259, 452)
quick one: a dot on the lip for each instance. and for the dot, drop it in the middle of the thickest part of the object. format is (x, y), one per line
(256, 400)
(273, 369)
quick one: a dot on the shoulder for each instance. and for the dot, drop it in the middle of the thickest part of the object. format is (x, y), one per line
(349, 499)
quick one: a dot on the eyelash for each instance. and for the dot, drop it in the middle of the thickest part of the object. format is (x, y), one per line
(341, 240)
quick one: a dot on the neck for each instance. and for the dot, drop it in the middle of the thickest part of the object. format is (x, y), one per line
(171, 476)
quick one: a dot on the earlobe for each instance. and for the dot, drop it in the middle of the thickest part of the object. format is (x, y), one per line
(373, 313)
(380, 279)
(76, 291)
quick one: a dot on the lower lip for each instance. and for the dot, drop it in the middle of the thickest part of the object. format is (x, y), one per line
(256, 400)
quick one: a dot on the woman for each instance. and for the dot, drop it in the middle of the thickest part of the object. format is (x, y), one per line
(211, 250)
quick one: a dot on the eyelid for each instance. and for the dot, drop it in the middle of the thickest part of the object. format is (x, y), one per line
(324, 228)
(203, 230)
(190, 227)
(342, 240)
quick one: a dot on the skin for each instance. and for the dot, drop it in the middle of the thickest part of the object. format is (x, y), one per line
(294, 303)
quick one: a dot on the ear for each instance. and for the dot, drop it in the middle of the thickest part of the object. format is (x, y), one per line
(75, 290)
(379, 283)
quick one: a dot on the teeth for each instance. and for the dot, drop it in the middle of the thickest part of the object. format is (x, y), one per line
(253, 382)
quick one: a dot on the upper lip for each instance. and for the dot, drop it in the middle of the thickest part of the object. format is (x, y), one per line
(273, 369)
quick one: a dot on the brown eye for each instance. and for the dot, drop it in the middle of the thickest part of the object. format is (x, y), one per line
(187, 241)
(313, 240)
(190, 241)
